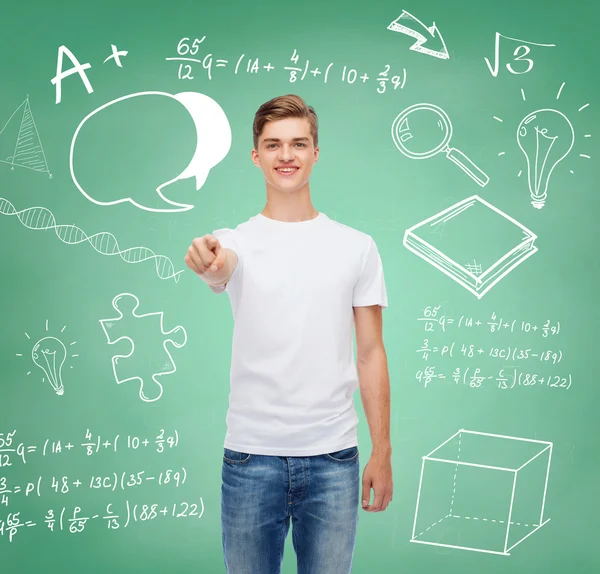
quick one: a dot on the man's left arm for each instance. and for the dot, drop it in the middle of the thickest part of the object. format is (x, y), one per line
(374, 385)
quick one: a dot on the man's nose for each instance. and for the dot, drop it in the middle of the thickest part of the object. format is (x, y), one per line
(286, 152)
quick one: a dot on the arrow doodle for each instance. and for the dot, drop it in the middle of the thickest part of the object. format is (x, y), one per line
(416, 29)
(104, 242)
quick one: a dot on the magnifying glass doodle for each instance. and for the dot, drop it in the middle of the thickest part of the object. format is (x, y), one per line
(419, 138)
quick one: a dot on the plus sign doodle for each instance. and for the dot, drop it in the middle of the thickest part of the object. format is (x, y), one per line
(119, 329)
(116, 55)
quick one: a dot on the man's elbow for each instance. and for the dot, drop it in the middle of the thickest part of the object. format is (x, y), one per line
(374, 352)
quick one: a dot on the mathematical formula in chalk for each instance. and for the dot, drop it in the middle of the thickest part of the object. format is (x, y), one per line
(481, 349)
(189, 58)
(433, 320)
(73, 520)
(10, 448)
(64, 485)
(506, 378)
(471, 350)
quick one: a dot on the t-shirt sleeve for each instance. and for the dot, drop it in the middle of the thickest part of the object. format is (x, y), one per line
(228, 239)
(370, 287)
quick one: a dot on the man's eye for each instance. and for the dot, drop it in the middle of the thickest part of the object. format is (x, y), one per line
(274, 145)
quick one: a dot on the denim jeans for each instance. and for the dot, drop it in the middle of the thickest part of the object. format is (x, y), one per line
(260, 493)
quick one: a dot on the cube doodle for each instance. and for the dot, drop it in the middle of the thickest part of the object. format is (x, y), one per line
(482, 492)
(176, 337)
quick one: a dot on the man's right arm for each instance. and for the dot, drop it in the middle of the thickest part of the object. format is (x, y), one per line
(222, 276)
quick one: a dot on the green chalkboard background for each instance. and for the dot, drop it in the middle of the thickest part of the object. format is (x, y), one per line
(61, 281)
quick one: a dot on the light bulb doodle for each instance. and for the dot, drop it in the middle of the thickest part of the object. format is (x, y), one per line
(49, 354)
(429, 133)
(545, 137)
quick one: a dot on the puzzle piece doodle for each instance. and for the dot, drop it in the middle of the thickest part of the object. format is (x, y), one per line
(177, 337)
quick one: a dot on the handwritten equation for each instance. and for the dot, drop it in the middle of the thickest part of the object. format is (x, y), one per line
(114, 481)
(433, 320)
(505, 379)
(472, 359)
(189, 58)
(471, 350)
(74, 521)
(91, 486)
(11, 448)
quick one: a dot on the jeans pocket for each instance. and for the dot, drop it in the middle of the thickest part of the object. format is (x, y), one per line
(344, 455)
(235, 457)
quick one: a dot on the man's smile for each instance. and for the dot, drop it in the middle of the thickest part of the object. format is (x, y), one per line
(287, 171)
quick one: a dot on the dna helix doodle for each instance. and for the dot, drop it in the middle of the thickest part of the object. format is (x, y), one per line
(105, 243)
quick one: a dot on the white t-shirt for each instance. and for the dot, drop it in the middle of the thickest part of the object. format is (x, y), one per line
(293, 372)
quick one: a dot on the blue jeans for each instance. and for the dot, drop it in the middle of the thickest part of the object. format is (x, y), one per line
(260, 493)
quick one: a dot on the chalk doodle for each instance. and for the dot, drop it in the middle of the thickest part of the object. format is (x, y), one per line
(105, 243)
(477, 265)
(424, 130)
(49, 353)
(407, 24)
(213, 141)
(454, 506)
(176, 337)
(546, 137)
(28, 151)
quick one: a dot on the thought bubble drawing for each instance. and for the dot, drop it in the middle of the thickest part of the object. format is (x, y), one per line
(132, 151)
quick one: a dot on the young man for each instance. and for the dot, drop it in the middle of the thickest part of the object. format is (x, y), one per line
(297, 281)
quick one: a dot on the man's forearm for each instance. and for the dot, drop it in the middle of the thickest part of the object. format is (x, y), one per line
(375, 395)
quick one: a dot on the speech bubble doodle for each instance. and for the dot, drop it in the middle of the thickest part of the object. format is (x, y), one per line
(213, 142)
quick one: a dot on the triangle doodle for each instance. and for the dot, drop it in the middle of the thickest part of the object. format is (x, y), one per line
(27, 151)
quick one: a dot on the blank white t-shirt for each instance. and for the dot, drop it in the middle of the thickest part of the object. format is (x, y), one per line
(293, 372)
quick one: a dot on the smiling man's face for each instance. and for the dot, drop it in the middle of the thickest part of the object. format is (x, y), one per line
(286, 154)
